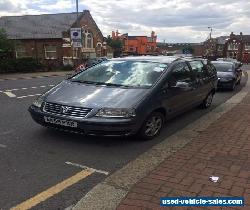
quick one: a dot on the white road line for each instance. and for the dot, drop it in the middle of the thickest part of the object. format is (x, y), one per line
(26, 88)
(11, 90)
(88, 168)
(29, 95)
(3, 146)
(10, 94)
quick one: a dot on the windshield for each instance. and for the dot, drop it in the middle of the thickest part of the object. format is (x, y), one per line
(223, 67)
(122, 73)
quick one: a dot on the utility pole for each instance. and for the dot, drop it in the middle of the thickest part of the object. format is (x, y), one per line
(77, 12)
(211, 30)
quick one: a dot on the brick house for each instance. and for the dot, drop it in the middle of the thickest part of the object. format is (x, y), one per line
(233, 46)
(215, 47)
(46, 38)
(238, 46)
(137, 45)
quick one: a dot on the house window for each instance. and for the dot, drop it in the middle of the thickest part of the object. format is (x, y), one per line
(87, 39)
(21, 51)
(50, 52)
(232, 46)
(150, 39)
(220, 47)
(247, 46)
(83, 40)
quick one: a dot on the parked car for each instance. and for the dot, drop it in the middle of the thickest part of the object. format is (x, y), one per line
(229, 75)
(126, 96)
(238, 64)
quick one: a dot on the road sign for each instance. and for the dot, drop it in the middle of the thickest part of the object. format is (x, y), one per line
(76, 37)
(76, 33)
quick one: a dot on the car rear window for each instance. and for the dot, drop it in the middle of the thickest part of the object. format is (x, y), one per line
(223, 67)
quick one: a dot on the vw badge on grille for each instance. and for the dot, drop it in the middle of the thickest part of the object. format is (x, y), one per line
(64, 109)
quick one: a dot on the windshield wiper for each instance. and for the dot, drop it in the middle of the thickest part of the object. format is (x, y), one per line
(100, 83)
(116, 85)
(85, 82)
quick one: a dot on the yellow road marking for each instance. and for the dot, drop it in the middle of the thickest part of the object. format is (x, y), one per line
(52, 191)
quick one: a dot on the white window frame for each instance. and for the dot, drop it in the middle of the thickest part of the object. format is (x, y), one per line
(220, 47)
(233, 46)
(247, 46)
(85, 35)
(21, 49)
(50, 51)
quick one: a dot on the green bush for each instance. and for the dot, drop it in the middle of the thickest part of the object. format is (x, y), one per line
(20, 65)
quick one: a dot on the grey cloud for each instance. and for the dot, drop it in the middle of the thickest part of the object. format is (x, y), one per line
(7, 5)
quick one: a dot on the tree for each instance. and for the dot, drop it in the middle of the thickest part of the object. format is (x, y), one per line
(116, 45)
(6, 45)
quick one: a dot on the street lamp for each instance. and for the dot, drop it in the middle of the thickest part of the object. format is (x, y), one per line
(210, 34)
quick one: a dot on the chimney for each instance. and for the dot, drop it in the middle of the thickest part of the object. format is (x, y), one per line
(241, 36)
(231, 35)
(113, 34)
(152, 34)
(86, 11)
(117, 34)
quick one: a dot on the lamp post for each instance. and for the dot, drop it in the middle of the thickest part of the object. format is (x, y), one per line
(77, 11)
(211, 30)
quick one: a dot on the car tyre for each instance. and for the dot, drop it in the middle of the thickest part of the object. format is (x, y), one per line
(152, 126)
(207, 101)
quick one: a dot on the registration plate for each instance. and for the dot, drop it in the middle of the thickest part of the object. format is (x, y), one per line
(60, 122)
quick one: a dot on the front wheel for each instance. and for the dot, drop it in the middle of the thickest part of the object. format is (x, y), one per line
(208, 101)
(152, 126)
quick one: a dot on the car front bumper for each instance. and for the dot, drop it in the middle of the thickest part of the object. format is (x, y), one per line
(225, 83)
(88, 126)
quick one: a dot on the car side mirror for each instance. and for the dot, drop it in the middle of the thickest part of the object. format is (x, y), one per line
(181, 85)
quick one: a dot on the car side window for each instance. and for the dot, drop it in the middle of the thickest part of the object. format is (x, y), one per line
(180, 73)
(198, 68)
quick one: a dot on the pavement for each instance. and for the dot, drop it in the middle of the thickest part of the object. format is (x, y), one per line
(17, 76)
(217, 144)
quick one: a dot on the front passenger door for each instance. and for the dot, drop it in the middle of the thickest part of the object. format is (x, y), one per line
(180, 90)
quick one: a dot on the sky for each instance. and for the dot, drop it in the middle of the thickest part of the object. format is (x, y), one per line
(172, 20)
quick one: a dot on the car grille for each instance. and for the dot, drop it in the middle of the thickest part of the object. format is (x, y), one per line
(66, 110)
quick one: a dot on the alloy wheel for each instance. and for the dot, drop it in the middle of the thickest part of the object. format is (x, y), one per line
(153, 125)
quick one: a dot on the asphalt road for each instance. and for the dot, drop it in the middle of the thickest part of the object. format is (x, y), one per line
(32, 158)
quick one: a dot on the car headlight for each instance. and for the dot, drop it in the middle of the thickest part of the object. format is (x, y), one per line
(38, 102)
(116, 112)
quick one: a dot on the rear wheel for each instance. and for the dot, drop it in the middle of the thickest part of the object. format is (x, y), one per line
(152, 126)
(207, 101)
